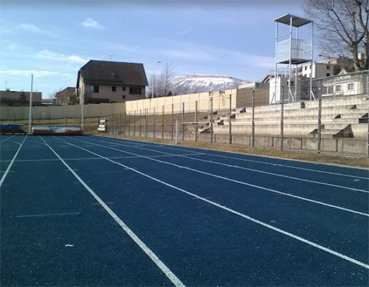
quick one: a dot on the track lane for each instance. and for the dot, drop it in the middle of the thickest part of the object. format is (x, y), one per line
(54, 234)
(139, 165)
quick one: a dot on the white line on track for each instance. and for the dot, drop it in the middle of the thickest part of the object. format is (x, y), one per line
(47, 214)
(11, 163)
(6, 139)
(310, 243)
(94, 158)
(170, 275)
(256, 170)
(269, 163)
(242, 182)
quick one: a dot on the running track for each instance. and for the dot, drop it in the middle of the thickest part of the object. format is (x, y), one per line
(92, 211)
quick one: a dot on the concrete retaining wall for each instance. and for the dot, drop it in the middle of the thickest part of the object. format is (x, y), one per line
(58, 112)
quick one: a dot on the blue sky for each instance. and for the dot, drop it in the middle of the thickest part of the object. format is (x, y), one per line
(53, 39)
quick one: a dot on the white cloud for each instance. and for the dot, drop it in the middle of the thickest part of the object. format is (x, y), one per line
(91, 23)
(46, 54)
(36, 30)
(35, 73)
(30, 28)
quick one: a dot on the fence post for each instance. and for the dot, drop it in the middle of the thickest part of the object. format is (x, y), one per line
(162, 122)
(153, 125)
(367, 116)
(196, 124)
(146, 112)
(140, 124)
(176, 131)
(282, 123)
(129, 124)
(230, 119)
(253, 119)
(211, 119)
(320, 119)
(172, 120)
(183, 125)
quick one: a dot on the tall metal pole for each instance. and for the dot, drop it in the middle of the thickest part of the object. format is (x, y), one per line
(290, 63)
(320, 119)
(82, 110)
(253, 119)
(367, 98)
(211, 119)
(30, 107)
(311, 67)
(230, 119)
(196, 124)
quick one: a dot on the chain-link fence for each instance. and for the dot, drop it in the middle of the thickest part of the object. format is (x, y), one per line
(330, 124)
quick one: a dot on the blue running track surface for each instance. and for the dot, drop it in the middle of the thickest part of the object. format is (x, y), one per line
(94, 211)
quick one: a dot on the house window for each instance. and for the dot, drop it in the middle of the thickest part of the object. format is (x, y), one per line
(114, 75)
(350, 86)
(306, 67)
(328, 67)
(124, 88)
(338, 88)
(135, 91)
(123, 97)
(113, 88)
(94, 89)
(328, 74)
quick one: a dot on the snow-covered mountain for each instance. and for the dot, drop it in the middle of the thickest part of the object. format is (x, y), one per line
(198, 83)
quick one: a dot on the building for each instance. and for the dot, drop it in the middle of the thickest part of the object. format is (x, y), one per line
(327, 68)
(111, 82)
(344, 84)
(19, 98)
(66, 97)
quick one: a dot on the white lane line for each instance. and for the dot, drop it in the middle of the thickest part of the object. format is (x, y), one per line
(47, 214)
(259, 171)
(170, 275)
(93, 158)
(269, 163)
(340, 255)
(6, 139)
(11, 163)
(243, 183)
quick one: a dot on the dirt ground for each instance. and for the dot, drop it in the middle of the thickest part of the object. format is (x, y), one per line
(350, 161)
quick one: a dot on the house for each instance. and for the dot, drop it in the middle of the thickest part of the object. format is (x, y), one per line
(327, 68)
(66, 97)
(19, 98)
(111, 82)
(346, 83)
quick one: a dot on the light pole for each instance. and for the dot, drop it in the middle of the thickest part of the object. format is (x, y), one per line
(152, 80)
(30, 108)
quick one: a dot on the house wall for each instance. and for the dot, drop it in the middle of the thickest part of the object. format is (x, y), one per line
(120, 95)
(320, 70)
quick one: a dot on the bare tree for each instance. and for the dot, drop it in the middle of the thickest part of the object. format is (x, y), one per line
(342, 27)
(163, 84)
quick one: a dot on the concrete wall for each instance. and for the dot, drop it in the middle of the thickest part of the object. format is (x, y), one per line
(58, 112)
(220, 102)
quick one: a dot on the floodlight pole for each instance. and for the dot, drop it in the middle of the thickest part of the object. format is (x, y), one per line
(82, 102)
(30, 107)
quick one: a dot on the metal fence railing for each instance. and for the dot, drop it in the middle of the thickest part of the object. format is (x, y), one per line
(337, 124)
